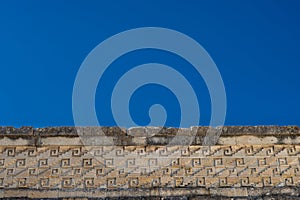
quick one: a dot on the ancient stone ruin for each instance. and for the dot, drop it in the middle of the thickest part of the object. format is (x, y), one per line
(245, 162)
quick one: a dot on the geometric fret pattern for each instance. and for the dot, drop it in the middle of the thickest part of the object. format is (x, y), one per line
(122, 167)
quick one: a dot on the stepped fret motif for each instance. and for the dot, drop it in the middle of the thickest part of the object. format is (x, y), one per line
(147, 167)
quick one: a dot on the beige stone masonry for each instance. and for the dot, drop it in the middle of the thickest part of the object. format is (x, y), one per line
(58, 163)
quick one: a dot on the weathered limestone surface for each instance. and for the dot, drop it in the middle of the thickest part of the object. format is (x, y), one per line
(66, 162)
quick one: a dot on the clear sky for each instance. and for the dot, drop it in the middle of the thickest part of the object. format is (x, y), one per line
(255, 45)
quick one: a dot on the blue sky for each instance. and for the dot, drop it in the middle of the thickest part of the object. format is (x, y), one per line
(255, 45)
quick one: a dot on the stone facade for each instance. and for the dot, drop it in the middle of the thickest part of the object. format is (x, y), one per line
(245, 162)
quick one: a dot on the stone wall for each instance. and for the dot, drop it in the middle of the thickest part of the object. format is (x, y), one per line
(63, 162)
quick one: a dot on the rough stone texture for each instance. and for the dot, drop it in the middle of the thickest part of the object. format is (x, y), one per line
(164, 131)
(246, 163)
(156, 135)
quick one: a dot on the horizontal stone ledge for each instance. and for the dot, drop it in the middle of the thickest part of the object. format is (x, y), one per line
(91, 138)
(144, 141)
(149, 131)
(159, 193)
(228, 135)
